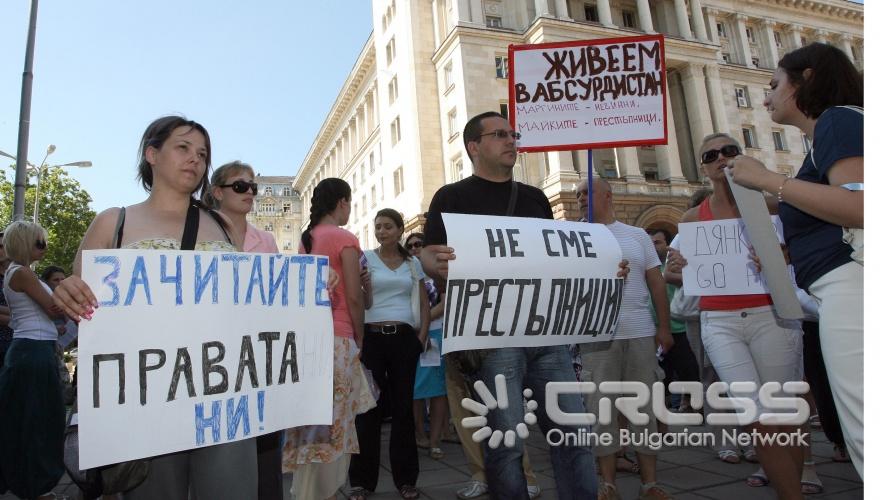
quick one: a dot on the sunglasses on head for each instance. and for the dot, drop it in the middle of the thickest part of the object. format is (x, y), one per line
(241, 187)
(415, 244)
(40, 245)
(728, 151)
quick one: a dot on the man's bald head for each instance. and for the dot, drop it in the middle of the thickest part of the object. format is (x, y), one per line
(602, 207)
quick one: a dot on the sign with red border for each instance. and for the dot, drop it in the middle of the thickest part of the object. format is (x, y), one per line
(589, 94)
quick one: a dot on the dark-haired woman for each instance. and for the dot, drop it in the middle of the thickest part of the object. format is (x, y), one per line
(818, 90)
(393, 340)
(174, 160)
(319, 455)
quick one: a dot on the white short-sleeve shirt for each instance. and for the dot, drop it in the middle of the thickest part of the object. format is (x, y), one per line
(392, 290)
(635, 314)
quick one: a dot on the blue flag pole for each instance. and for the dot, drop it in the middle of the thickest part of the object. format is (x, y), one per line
(590, 185)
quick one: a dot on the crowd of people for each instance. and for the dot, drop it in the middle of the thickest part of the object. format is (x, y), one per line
(388, 303)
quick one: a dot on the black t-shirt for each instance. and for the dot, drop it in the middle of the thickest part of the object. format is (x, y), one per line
(477, 196)
(815, 246)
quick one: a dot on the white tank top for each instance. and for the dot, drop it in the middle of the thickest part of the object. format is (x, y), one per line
(28, 320)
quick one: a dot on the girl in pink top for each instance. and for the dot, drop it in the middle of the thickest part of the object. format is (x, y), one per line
(320, 455)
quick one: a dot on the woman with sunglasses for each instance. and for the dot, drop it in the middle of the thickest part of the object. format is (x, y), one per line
(818, 90)
(319, 455)
(32, 419)
(393, 340)
(174, 159)
(232, 193)
(742, 335)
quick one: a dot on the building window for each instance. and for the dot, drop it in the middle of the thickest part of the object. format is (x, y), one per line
(777, 37)
(269, 227)
(750, 35)
(395, 131)
(286, 207)
(452, 123)
(493, 21)
(591, 14)
(500, 66)
(722, 30)
(286, 192)
(354, 179)
(742, 97)
(726, 57)
(372, 162)
(398, 181)
(363, 173)
(381, 189)
(779, 140)
(756, 61)
(749, 137)
(373, 196)
(457, 170)
(447, 76)
(390, 52)
(392, 90)
(267, 191)
(504, 109)
(363, 205)
(806, 142)
(629, 19)
(267, 207)
(287, 227)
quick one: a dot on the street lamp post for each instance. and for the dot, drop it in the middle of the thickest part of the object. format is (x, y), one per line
(38, 171)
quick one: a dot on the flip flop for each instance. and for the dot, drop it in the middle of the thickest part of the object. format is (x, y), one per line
(627, 464)
(757, 479)
(728, 456)
(750, 455)
(840, 455)
(810, 482)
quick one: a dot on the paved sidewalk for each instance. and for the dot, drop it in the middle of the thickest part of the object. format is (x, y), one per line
(686, 473)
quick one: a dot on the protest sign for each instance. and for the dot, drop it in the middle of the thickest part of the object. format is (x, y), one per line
(717, 253)
(192, 349)
(588, 94)
(520, 282)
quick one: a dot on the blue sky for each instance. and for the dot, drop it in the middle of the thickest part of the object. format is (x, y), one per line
(261, 76)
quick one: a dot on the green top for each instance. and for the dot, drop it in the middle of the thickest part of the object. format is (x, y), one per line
(675, 326)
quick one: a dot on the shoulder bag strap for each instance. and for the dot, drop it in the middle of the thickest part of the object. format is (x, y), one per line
(190, 228)
(511, 204)
(120, 224)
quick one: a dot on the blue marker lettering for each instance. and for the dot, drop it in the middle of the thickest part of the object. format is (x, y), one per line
(302, 260)
(256, 278)
(213, 422)
(234, 415)
(320, 284)
(138, 277)
(281, 281)
(110, 279)
(176, 279)
(211, 273)
(235, 259)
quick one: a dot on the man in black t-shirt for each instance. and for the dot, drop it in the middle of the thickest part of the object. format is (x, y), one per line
(490, 143)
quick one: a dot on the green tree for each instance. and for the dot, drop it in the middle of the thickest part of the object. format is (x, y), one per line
(64, 212)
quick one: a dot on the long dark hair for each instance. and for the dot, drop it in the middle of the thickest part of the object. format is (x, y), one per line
(325, 199)
(156, 134)
(395, 217)
(834, 81)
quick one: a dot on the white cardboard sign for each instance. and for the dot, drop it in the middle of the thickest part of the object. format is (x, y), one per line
(521, 282)
(193, 349)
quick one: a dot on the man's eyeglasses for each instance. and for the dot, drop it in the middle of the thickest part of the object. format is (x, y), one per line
(241, 187)
(503, 134)
(728, 151)
(40, 245)
(414, 244)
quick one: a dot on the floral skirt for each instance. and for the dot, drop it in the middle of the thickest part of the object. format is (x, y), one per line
(351, 396)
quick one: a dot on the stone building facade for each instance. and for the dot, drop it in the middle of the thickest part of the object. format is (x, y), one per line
(394, 132)
(278, 209)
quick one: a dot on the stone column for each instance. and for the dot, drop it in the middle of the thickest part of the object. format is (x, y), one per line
(541, 8)
(561, 176)
(699, 22)
(846, 46)
(744, 47)
(644, 9)
(716, 98)
(711, 16)
(699, 118)
(681, 17)
(797, 40)
(823, 36)
(668, 161)
(435, 13)
(561, 9)
(770, 39)
(476, 11)
(628, 165)
(604, 8)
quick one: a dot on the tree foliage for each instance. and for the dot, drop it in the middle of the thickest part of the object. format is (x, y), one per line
(64, 212)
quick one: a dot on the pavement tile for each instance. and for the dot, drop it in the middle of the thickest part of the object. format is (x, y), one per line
(686, 456)
(688, 478)
(838, 470)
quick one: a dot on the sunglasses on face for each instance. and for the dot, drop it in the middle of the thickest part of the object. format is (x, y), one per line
(415, 244)
(728, 151)
(241, 187)
(40, 245)
(503, 134)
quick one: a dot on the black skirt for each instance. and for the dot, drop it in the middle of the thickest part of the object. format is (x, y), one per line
(31, 419)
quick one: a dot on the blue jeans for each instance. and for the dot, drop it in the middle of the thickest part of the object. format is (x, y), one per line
(533, 367)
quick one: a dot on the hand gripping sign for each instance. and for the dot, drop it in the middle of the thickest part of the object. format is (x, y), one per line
(192, 349)
(588, 93)
(520, 282)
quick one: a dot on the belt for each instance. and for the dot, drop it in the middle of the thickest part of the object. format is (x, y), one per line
(388, 329)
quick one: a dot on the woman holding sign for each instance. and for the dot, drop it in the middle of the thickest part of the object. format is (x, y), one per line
(174, 159)
(818, 90)
(32, 419)
(319, 455)
(395, 334)
(742, 335)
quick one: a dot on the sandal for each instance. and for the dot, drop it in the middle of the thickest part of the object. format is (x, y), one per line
(815, 422)
(436, 453)
(840, 454)
(358, 493)
(810, 482)
(757, 479)
(728, 456)
(626, 464)
(409, 492)
(422, 442)
(750, 455)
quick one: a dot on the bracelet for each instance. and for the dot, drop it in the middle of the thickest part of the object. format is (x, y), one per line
(779, 191)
